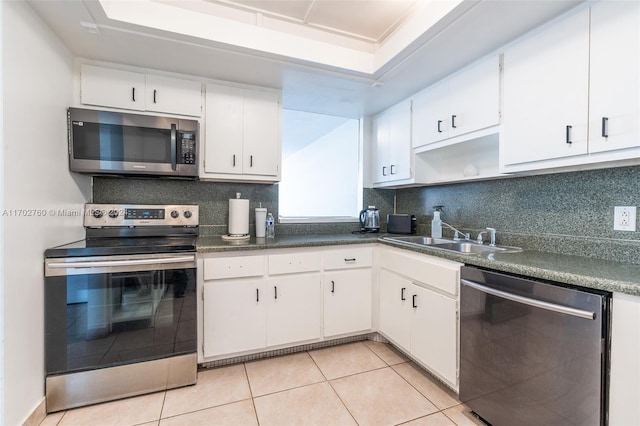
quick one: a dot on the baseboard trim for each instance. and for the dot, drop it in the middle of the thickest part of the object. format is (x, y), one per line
(37, 415)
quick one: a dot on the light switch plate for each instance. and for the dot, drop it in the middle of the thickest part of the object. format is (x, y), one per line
(624, 218)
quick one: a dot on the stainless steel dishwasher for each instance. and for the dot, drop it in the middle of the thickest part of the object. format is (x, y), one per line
(532, 352)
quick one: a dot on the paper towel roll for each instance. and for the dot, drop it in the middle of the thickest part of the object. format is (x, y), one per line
(238, 217)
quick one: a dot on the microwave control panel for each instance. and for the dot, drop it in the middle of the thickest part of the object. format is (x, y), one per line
(188, 148)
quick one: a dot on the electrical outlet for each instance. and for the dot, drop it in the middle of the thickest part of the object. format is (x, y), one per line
(624, 218)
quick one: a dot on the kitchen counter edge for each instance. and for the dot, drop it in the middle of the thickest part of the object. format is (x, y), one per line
(581, 271)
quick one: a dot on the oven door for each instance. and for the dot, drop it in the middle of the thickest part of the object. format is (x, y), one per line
(115, 310)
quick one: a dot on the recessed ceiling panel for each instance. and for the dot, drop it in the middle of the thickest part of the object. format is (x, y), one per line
(294, 9)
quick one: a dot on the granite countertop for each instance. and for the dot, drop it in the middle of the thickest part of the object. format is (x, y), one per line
(577, 270)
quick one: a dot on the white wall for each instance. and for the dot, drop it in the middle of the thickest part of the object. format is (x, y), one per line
(38, 86)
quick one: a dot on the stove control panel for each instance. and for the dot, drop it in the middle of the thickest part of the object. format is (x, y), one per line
(136, 215)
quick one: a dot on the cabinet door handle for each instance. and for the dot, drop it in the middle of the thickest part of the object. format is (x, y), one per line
(402, 293)
(439, 123)
(569, 134)
(275, 292)
(413, 302)
(384, 170)
(392, 172)
(453, 121)
(154, 95)
(234, 160)
(251, 161)
(257, 294)
(133, 94)
(605, 127)
(333, 286)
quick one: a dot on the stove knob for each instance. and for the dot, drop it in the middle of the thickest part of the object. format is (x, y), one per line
(175, 214)
(187, 214)
(97, 214)
(113, 214)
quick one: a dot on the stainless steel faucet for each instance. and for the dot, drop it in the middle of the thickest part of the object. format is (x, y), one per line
(457, 234)
(492, 234)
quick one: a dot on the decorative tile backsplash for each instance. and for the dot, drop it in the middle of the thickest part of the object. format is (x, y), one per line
(565, 212)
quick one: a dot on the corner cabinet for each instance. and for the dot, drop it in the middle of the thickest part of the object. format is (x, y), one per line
(121, 89)
(242, 134)
(392, 145)
(418, 309)
(578, 111)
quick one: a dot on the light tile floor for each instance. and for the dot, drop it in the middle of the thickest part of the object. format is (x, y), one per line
(363, 383)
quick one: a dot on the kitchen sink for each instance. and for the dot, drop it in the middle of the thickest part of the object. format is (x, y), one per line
(460, 247)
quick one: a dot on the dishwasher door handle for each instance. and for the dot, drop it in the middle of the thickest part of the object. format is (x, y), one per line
(580, 313)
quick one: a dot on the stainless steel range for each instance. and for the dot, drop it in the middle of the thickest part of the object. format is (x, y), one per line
(120, 306)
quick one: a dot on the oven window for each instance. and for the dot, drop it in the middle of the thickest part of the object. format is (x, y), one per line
(102, 320)
(108, 142)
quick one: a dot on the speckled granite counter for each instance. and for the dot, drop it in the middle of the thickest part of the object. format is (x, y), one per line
(577, 270)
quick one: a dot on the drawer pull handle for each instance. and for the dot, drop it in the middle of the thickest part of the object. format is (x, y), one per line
(350, 259)
(402, 293)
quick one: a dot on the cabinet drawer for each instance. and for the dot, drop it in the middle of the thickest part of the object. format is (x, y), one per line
(356, 257)
(294, 262)
(233, 267)
(438, 273)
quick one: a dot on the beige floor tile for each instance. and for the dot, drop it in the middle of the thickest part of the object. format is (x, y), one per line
(130, 411)
(52, 419)
(381, 397)
(461, 415)
(436, 419)
(343, 360)
(387, 352)
(237, 413)
(310, 405)
(441, 396)
(282, 373)
(215, 387)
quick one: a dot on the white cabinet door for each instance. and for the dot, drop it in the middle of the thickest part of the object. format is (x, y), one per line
(347, 301)
(112, 88)
(434, 332)
(234, 316)
(224, 130)
(430, 118)
(293, 308)
(614, 91)
(474, 97)
(546, 92)
(262, 142)
(395, 308)
(392, 132)
(173, 95)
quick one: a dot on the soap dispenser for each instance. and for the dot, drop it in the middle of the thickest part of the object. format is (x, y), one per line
(436, 223)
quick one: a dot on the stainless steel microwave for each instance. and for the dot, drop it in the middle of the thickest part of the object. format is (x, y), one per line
(106, 142)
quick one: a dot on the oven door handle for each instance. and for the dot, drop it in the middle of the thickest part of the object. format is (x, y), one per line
(580, 313)
(112, 263)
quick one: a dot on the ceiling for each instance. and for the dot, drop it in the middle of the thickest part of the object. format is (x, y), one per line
(341, 57)
(369, 20)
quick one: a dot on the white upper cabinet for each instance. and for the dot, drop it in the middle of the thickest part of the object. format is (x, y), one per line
(138, 91)
(392, 142)
(243, 134)
(546, 91)
(177, 96)
(614, 89)
(463, 103)
(571, 90)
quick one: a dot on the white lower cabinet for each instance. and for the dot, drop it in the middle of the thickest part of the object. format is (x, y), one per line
(347, 301)
(418, 309)
(234, 316)
(293, 309)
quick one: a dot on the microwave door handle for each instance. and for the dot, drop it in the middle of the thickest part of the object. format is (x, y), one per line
(174, 147)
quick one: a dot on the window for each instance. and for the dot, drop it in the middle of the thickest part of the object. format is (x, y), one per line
(321, 168)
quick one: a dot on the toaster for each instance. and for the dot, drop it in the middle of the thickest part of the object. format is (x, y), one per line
(401, 224)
